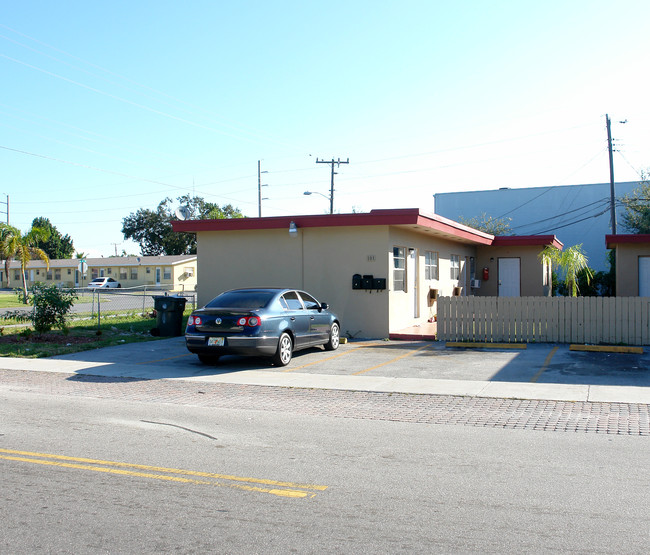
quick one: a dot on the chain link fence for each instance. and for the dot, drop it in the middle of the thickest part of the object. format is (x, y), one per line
(122, 302)
(98, 304)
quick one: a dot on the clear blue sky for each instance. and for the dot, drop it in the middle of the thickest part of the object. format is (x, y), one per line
(107, 107)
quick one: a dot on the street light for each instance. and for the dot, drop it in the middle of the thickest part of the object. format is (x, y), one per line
(322, 195)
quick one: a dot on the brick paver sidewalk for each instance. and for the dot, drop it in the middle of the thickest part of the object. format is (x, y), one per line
(563, 416)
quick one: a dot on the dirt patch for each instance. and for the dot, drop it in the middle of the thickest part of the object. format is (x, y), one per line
(49, 338)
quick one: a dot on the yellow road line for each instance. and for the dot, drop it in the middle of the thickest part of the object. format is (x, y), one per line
(545, 365)
(55, 460)
(337, 355)
(410, 353)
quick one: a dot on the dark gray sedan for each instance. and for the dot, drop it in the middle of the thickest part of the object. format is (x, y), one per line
(264, 321)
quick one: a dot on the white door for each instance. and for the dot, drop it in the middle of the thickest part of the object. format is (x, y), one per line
(411, 276)
(509, 277)
(157, 276)
(644, 276)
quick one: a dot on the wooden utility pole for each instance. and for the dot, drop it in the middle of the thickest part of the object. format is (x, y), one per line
(332, 162)
(259, 188)
(612, 187)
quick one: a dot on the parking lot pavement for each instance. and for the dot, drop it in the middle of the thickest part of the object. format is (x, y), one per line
(539, 371)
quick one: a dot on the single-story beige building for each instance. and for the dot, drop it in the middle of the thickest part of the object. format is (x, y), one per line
(632, 264)
(177, 273)
(380, 271)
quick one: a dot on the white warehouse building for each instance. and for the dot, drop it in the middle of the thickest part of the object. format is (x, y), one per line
(574, 213)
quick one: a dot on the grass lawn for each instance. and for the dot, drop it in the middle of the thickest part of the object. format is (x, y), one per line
(10, 300)
(22, 341)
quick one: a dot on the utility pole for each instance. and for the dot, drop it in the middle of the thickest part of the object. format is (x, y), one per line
(259, 188)
(332, 162)
(612, 187)
(7, 203)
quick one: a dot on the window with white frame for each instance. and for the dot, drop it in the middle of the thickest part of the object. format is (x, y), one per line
(167, 273)
(430, 265)
(454, 262)
(123, 273)
(57, 274)
(134, 272)
(399, 269)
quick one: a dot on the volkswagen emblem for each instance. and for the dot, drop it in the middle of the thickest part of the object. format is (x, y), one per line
(218, 321)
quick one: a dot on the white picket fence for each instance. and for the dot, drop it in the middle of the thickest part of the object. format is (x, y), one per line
(587, 320)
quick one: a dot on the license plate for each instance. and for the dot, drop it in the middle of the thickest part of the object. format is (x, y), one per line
(216, 341)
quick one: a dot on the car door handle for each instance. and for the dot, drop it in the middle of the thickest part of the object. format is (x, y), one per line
(293, 318)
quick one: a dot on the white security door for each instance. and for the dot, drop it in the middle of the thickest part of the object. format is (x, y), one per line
(157, 276)
(509, 277)
(644, 276)
(411, 276)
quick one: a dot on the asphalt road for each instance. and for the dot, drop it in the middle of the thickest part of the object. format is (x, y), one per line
(89, 475)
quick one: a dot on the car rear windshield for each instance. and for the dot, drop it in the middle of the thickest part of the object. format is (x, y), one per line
(242, 299)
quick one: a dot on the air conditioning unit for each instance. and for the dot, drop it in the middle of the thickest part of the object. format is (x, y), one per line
(475, 284)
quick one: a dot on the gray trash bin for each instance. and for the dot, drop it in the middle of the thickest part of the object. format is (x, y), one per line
(169, 315)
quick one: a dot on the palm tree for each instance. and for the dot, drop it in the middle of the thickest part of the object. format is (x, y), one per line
(572, 261)
(6, 231)
(22, 246)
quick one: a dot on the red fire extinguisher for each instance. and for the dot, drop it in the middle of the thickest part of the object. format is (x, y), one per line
(486, 273)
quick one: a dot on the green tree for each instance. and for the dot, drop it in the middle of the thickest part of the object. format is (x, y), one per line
(152, 229)
(636, 217)
(488, 224)
(572, 262)
(23, 247)
(5, 232)
(56, 246)
(51, 307)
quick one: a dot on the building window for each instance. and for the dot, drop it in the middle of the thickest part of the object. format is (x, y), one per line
(57, 274)
(134, 273)
(189, 271)
(454, 260)
(69, 271)
(399, 268)
(123, 273)
(109, 271)
(167, 273)
(49, 275)
(430, 265)
(148, 270)
(17, 275)
(94, 273)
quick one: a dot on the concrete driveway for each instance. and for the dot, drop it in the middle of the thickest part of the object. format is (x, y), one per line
(538, 371)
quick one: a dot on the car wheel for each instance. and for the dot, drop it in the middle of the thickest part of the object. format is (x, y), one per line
(119, 285)
(209, 359)
(283, 355)
(334, 339)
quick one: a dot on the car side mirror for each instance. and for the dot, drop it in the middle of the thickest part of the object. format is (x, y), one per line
(323, 306)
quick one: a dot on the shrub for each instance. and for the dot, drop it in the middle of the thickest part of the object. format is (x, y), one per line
(51, 306)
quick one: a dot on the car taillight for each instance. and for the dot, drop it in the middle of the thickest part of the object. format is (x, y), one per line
(250, 321)
(194, 321)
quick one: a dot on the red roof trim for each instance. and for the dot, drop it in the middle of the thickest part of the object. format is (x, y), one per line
(612, 240)
(399, 216)
(527, 241)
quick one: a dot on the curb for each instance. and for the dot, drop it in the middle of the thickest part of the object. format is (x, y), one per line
(607, 349)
